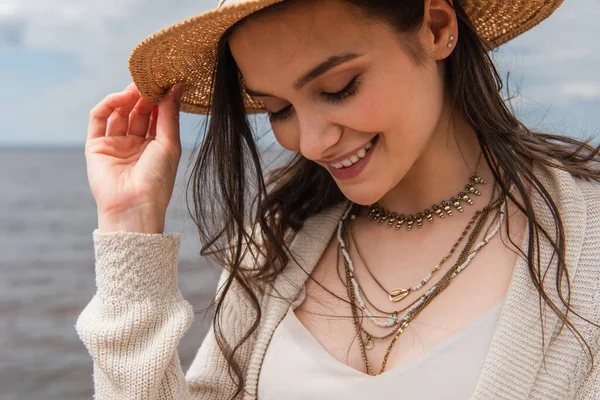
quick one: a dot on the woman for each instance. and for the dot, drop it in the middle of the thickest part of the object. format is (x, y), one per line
(412, 247)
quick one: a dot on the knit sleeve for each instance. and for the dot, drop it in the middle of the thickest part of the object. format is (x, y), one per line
(134, 322)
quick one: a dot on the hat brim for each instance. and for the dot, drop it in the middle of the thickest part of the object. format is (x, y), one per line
(186, 51)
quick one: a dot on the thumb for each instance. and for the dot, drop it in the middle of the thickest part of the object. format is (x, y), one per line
(167, 124)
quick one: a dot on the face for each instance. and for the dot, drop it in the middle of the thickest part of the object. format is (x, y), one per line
(343, 91)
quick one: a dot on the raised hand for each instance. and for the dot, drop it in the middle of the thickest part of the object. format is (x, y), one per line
(132, 153)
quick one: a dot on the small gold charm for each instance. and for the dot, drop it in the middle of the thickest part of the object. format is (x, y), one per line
(384, 216)
(437, 210)
(368, 343)
(419, 218)
(409, 222)
(465, 197)
(447, 208)
(397, 295)
(400, 222)
(428, 215)
(376, 214)
(393, 218)
(478, 180)
(471, 189)
(456, 204)
(372, 211)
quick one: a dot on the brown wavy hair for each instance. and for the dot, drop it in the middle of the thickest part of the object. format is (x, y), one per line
(242, 214)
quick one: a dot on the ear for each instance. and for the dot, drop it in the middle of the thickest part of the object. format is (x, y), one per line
(440, 28)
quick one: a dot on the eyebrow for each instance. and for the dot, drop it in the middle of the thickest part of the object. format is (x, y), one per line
(314, 73)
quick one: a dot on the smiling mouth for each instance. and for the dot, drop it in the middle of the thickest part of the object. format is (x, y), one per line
(356, 157)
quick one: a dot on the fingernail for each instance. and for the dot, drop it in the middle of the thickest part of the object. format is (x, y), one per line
(177, 90)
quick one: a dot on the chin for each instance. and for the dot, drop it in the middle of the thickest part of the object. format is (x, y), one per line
(362, 195)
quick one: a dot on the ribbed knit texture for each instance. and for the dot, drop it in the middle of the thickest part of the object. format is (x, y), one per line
(133, 324)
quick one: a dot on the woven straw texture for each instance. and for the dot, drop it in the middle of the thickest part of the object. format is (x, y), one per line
(185, 52)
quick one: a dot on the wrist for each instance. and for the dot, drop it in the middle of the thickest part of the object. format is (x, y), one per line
(131, 221)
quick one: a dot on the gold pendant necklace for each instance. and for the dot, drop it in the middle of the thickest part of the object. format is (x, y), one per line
(397, 295)
(443, 209)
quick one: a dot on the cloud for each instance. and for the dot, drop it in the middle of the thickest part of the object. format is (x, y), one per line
(98, 36)
(8, 8)
(87, 27)
(554, 67)
(582, 90)
(12, 32)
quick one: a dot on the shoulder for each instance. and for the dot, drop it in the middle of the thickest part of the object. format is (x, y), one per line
(578, 202)
(586, 280)
(575, 196)
(587, 204)
(586, 277)
(590, 190)
(590, 195)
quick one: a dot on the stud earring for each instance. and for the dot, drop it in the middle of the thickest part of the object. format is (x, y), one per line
(450, 43)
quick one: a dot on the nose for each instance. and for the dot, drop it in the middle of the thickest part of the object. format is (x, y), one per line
(317, 135)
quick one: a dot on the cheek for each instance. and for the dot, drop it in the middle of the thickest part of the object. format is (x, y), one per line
(406, 109)
(287, 136)
(403, 105)
(369, 113)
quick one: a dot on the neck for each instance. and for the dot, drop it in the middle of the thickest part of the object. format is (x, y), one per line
(441, 171)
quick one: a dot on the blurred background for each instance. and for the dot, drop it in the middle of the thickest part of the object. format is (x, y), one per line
(58, 58)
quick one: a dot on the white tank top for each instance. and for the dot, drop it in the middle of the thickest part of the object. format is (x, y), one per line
(297, 367)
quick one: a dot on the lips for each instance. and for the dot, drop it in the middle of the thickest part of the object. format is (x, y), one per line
(353, 159)
(352, 165)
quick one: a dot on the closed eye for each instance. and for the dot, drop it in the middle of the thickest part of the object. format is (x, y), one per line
(281, 114)
(349, 90)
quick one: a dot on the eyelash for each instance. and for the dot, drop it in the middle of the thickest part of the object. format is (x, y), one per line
(350, 90)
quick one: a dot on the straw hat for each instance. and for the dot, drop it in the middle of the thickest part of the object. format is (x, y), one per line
(185, 52)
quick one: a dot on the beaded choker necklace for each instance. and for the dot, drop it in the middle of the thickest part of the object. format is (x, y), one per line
(379, 214)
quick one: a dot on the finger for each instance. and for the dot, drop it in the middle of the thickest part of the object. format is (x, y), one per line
(167, 124)
(131, 88)
(118, 122)
(152, 124)
(139, 119)
(103, 110)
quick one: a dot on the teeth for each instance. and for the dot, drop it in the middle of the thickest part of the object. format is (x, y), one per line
(355, 158)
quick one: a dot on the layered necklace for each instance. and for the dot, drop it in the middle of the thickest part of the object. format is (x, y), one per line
(396, 321)
(377, 213)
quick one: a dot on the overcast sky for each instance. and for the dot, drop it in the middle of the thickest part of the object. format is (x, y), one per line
(58, 58)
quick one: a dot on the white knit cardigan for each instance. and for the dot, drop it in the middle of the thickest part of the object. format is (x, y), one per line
(134, 322)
